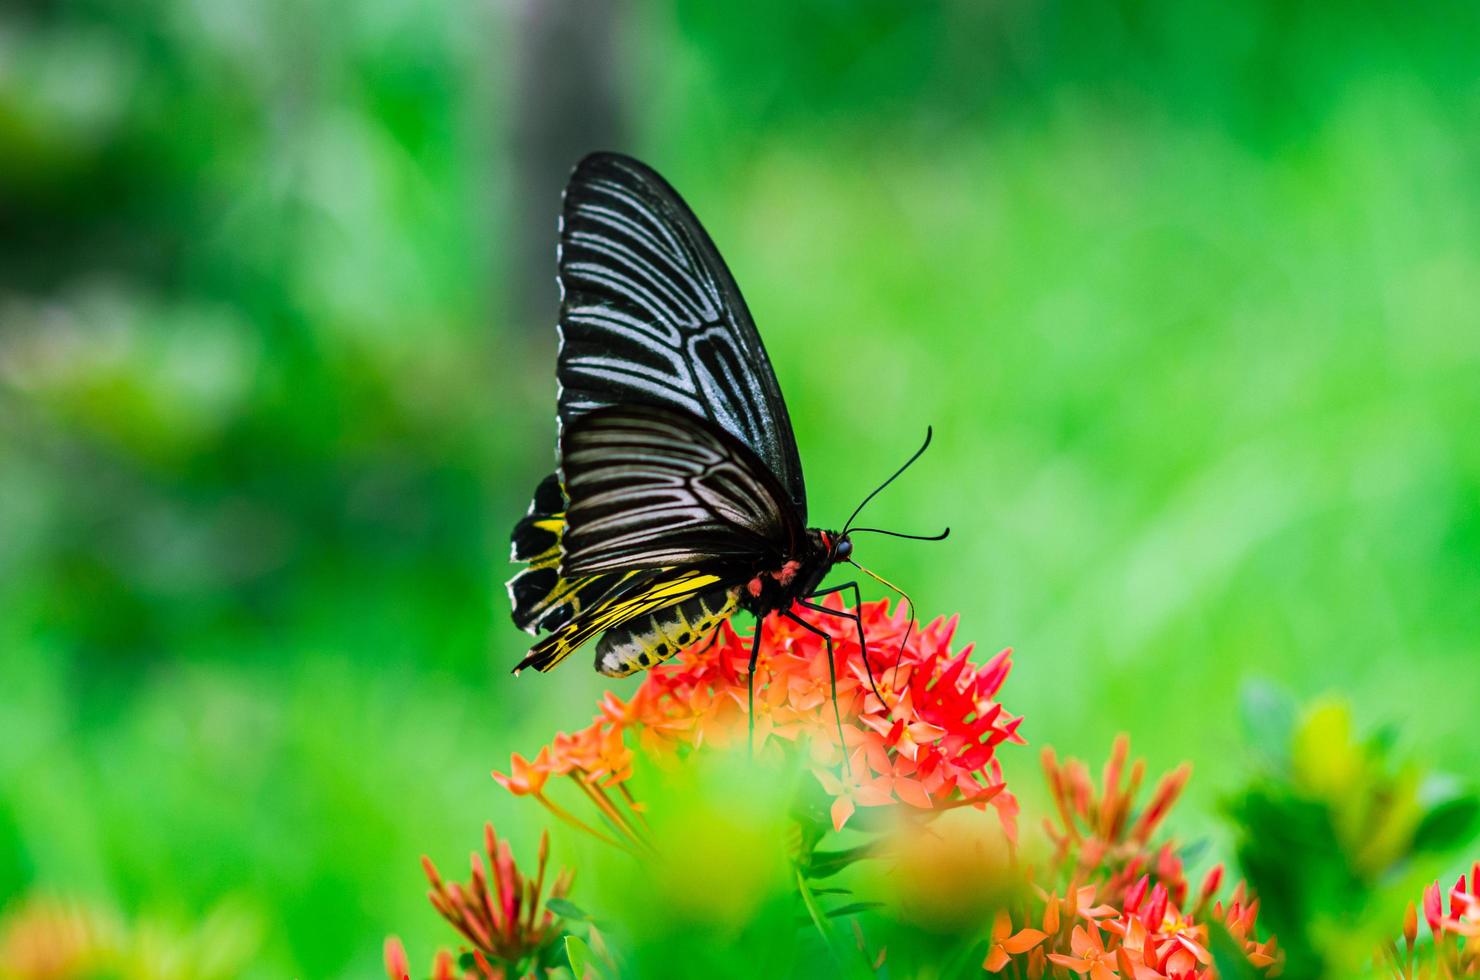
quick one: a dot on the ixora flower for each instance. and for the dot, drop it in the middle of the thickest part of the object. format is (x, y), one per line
(1455, 925)
(929, 744)
(1464, 907)
(500, 913)
(1096, 834)
(1110, 902)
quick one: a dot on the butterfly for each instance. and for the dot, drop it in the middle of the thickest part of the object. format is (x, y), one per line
(679, 497)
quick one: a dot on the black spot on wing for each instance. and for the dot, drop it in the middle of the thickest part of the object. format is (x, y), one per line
(530, 540)
(528, 589)
(547, 497)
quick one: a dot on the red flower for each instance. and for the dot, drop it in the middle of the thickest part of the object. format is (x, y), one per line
(930, 744)
(499, 912)
(1454, 952)
(397, 967)
(1464, 906)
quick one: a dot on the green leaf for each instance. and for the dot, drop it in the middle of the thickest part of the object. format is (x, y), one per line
(853, 908)
(1447, 824)
(825, 864)
(567, 910)
(819, 918)
(844, 954)
(1228, 954)
(582, 961)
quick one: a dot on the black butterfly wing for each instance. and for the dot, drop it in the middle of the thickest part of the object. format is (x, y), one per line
(650, 315)
(655, 488)
(639, 607)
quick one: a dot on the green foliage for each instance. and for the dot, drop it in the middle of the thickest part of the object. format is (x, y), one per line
(566, 909)
(1228, 954)
(1183, 289)
(582, 960)
(1338, 837)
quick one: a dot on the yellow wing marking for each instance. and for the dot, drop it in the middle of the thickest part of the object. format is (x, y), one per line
(647, 641)
(664, 591)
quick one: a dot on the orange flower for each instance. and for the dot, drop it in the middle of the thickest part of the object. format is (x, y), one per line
(854, 792)
(526, 778)
(1089, 955)
(1121, 911)
(1006, 944)
(1152, 942)
(1094, 833)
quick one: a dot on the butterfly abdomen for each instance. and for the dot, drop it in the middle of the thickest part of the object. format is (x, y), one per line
(649, 640)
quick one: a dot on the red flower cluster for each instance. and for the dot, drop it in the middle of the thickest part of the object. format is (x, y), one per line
(1112, 906)
(1464, 907)
(929, 744)
(498, 912)
(1095, 834)
(1454, 952)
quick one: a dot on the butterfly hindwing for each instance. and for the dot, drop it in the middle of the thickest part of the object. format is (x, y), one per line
(650, 315)
(643, 594)
(655, 488)
(540, 598)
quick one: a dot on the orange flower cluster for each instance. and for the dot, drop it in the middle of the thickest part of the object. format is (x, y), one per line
(1144, 937)
(1113, 907)
(50, 937)
(1095, 834)
(1453, 954)
(929, 744)
(43, 937)
(498, 912)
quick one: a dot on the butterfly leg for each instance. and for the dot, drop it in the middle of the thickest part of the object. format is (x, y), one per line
(857, 619)
(755, 653)
(832, 673)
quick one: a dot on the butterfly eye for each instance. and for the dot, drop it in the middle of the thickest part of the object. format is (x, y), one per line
(842, 549)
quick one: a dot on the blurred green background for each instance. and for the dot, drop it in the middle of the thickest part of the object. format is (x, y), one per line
(1190, 291)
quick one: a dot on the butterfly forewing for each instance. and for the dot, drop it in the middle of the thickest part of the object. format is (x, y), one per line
(679, 475)
(654, 488)
(651, 316)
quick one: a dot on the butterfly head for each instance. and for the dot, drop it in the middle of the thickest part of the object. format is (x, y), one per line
(839, 547)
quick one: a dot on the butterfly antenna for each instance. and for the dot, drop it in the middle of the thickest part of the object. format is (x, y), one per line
(912, 537)
(909, 603)
(918, 453)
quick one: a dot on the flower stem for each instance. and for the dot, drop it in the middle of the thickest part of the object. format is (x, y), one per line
(570, 818)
